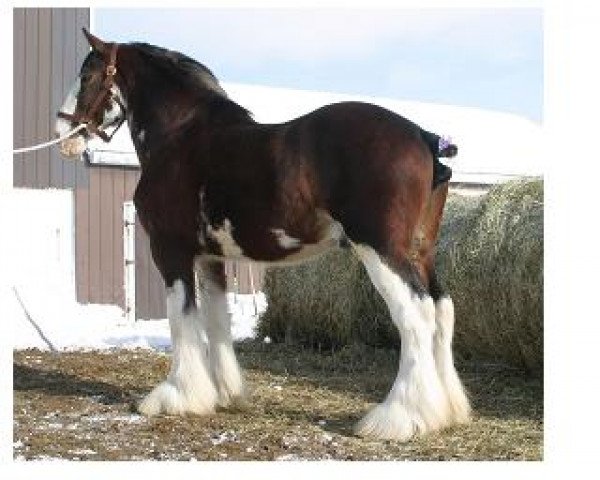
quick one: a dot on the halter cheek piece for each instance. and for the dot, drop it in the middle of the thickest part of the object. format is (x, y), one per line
(105, 92)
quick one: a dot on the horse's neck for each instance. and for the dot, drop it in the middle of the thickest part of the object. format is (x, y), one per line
(159, 116)
(155, 118)
(157, 109)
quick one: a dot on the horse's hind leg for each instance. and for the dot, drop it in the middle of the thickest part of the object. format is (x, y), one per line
(417, 402)
(444, 310)
(188, 387)
(442, 352)
(224, 367)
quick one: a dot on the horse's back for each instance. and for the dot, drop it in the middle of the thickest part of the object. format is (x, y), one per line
(355, 123)
(355, 142)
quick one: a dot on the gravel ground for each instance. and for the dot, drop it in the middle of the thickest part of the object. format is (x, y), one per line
(302, 406)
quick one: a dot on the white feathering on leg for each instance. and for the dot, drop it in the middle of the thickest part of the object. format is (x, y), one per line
(417, 402)
(226, 372)
(188, 387)
(442, 350)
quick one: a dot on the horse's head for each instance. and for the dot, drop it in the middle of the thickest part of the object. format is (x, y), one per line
(94, 99)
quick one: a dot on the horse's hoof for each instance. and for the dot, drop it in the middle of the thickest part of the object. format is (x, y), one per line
(228, 381)
(390, 421)
(232, 399)
(167, 398)
(460, 407)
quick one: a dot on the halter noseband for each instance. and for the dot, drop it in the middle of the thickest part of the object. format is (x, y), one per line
(105, 91)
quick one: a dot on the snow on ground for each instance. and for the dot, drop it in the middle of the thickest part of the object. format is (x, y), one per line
(37, 287)
(58, 322)
(37, 276)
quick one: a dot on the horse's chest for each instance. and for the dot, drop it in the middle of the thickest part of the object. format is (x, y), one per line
(166, 209)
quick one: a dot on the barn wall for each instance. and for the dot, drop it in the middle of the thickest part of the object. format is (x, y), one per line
(99, 234)
(48, 48)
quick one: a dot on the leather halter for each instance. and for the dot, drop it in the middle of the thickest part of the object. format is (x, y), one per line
(105, 92)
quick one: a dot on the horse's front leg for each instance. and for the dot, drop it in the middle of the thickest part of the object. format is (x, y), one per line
(226, 373)
(188, 387)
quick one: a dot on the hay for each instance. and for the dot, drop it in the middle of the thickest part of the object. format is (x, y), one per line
(77, 406)
(493, 267)
(489, 258)
(326, 303)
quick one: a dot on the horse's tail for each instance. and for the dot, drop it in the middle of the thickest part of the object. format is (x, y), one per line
(439, 147)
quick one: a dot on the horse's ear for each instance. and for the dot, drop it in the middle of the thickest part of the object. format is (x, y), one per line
(94, 42)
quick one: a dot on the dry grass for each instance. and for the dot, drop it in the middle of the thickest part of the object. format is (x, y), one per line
(490, 258)
(328, 302)
(302, 407)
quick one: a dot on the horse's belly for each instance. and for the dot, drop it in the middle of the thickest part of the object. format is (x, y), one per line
(272, 246)
(305, 252)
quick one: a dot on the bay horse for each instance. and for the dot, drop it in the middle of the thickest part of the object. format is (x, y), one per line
(215, 185)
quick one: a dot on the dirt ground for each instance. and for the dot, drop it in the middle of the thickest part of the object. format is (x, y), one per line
(302, 405)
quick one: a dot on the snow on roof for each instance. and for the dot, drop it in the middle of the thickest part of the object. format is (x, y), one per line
(493, 146)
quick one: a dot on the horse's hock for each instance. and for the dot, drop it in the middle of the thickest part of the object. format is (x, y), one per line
(490, 258)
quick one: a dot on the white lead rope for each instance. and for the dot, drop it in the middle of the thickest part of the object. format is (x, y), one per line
(51, 142)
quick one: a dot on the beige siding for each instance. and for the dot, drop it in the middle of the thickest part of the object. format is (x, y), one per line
(99, 234)
(44, 80)
(150, 292)
(47, 54)
(19, 92)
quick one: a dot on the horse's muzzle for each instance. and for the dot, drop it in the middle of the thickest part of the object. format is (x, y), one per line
(73, 147)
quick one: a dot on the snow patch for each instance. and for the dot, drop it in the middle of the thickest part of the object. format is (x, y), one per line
(83, 451)
(68, 326)
(37, 287)
(133, 418)
(223, 437)
(289, 457)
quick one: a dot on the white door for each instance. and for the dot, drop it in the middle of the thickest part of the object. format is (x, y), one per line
(129, 259)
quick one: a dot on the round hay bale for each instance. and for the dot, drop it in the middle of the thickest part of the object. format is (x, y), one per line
(326, 303)
(489, 259)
